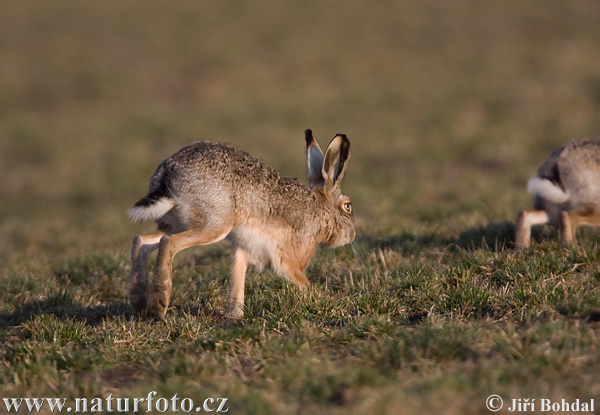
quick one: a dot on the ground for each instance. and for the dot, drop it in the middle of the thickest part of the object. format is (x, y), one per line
(450, 108)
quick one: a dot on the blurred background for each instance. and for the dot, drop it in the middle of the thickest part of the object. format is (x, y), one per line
(450, 106)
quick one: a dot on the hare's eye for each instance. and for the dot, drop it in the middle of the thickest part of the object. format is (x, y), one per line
(347, 206)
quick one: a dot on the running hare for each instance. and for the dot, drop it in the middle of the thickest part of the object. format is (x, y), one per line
(567, 191)
(208, 191)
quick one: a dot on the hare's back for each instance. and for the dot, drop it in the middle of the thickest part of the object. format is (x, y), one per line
(205, 160)
(226, 169)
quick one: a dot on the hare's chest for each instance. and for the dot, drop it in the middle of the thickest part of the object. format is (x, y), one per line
(262, 244)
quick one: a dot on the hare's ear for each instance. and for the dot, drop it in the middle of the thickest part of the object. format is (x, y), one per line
(336, 160)
(314, 157)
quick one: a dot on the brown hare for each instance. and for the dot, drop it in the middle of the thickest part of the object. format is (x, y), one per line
(567, 191)
(209, 191)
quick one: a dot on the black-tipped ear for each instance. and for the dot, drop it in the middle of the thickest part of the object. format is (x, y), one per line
(314, 157)
(336, 160)
(308, 136)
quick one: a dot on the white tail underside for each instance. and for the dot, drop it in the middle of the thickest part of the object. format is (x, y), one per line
(546, 189)
(154, 211)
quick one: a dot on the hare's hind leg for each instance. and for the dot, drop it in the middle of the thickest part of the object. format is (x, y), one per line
(238, 282)
(143, 245)
(169, 246)
(525, 220)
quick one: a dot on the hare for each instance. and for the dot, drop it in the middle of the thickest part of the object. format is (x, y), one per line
(567, 191)
(209, 191)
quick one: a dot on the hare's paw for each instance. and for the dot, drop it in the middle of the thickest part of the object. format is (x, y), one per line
(236, 311)
(159, 303)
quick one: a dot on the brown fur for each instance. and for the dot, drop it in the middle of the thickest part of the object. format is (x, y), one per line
(208, 191)
(567, 190)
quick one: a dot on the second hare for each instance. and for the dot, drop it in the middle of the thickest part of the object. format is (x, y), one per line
(567, 191)
(208, 191)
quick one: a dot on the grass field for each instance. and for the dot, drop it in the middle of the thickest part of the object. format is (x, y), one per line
(450, 108)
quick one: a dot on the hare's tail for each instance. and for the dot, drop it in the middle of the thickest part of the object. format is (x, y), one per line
(547, 189)
(152, 206)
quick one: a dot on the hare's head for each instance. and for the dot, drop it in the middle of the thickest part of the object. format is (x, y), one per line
(325, 175)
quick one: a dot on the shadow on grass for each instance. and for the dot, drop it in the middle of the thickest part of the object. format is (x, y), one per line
(63, 306)
(494, 236)
(408, 242)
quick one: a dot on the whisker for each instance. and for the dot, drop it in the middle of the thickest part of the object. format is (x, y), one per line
(357, 254)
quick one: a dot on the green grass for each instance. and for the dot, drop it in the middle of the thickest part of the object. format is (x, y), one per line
(449, 108)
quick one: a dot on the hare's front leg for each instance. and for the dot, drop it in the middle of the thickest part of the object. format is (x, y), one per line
(143, 245)
(296, 274)
(238, 282)
(298, 277)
